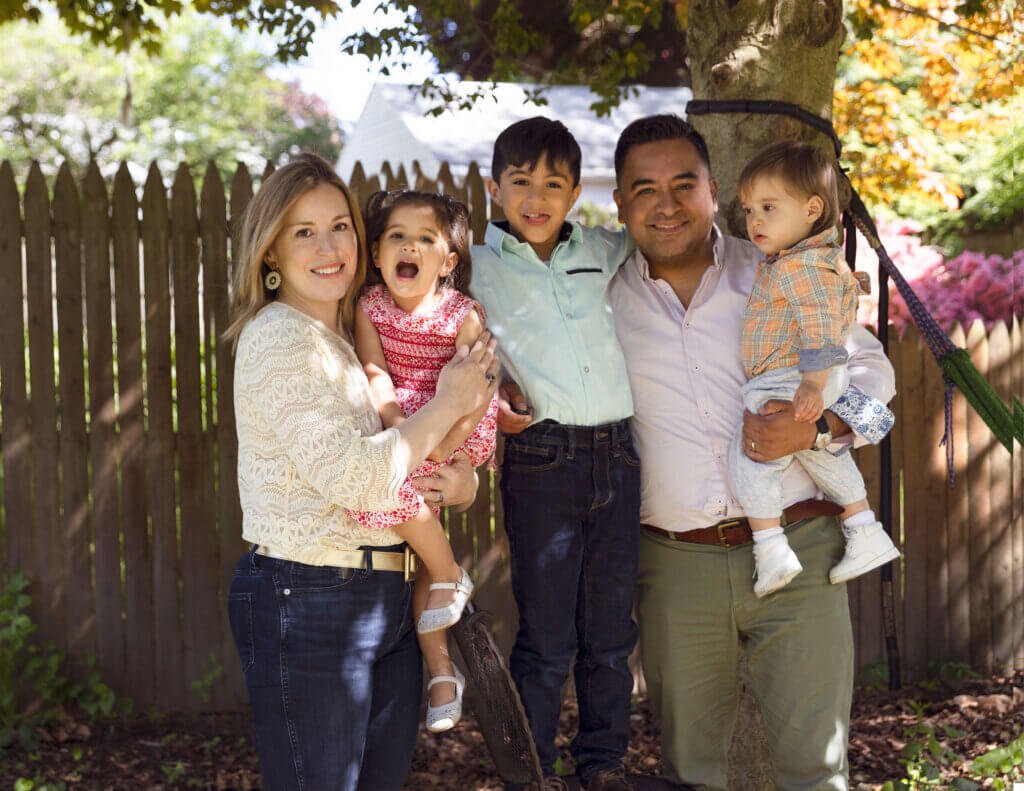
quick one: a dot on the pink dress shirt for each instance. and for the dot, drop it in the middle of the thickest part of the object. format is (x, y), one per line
(685, 370)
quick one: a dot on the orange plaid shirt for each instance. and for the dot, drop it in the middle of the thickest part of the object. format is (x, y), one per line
(803, 298)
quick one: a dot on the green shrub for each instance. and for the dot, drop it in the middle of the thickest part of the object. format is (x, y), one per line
(33, 687)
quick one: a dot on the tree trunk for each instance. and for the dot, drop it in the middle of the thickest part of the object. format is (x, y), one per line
(759, 49)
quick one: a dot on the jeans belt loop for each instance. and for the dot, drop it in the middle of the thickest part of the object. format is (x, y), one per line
(368, 555)
(407, 563)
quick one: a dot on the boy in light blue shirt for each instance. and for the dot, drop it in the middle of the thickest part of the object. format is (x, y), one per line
(570, 481)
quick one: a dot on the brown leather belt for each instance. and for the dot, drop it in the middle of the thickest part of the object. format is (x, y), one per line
(736, 532)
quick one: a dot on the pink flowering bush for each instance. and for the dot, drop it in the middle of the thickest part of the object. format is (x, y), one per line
(968, 287)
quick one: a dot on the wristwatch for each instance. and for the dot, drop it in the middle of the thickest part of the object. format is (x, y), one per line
(824, 436)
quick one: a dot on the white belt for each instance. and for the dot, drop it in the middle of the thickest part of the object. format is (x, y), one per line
(405, 561)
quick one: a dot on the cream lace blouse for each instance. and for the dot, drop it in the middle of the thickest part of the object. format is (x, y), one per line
(310, 443)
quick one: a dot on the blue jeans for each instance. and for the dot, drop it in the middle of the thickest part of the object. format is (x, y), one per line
(333, 671)
(572, 514)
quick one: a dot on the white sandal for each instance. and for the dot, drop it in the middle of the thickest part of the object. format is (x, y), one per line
(438, 618)
(444, 717)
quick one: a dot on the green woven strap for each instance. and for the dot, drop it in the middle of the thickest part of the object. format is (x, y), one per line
(957, 366)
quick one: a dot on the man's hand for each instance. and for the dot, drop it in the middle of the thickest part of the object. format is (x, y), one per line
(514, 414)
(453, 485)
(773, 432)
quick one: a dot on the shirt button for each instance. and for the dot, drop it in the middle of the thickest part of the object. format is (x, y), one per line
(696, 367)
(586, 369)
(287, 591)
(568, 315)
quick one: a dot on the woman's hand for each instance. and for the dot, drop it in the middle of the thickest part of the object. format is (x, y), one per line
(470, 378)
(453, 485)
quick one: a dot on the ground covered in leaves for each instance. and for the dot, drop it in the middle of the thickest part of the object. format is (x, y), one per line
(966, 718)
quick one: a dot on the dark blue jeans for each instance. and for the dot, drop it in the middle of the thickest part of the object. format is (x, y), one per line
(333, 671)
(572, 513)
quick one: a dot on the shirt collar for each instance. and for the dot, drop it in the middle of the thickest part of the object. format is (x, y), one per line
(500, 239)
(827, 238)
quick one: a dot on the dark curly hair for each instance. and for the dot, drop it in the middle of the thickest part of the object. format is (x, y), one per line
(452, 218)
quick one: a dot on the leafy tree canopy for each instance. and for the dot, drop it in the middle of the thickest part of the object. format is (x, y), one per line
(124, 23)
(206, 97)
(925, 87)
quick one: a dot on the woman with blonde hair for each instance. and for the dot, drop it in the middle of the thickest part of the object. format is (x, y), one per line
(320, 609)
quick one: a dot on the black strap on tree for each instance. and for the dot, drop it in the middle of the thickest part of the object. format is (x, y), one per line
(707, 107)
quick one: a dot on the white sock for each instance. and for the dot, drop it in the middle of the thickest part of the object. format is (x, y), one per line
(769, 533)
(859, 520)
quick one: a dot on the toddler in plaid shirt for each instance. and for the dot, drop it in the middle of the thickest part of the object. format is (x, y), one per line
(800, 310)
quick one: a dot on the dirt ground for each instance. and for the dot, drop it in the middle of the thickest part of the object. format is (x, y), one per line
(216, 751)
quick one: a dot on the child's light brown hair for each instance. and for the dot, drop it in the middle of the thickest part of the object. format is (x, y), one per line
(802, 167)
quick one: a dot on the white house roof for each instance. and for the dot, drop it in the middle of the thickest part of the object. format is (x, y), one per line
(396, 125)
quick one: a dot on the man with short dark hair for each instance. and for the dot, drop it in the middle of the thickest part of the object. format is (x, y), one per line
(678, 304)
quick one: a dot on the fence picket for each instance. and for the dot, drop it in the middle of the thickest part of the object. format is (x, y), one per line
(48, 585)
(199, 575)
(916, 532)
(106, 519)
(357, 184)
(387, 177)
(476, 201)
(1000, 522)
(1017, 505)
(958, 528)
(213, 225)
(17, 431)
(138, 560)
(979, 479)
(933, 508)
(74, 474)
(169, 642)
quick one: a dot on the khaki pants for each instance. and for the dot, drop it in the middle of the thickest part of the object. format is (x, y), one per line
(698, 610)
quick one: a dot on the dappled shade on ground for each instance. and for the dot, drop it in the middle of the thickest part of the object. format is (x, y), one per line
(215, 751)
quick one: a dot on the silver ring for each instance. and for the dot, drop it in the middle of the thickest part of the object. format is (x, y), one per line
(440, 497)
(491, 378)
(753, 445)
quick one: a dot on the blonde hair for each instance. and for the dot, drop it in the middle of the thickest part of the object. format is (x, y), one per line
(261, 223)
(803, 167)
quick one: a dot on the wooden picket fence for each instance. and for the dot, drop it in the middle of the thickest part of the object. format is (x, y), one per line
(119, 454)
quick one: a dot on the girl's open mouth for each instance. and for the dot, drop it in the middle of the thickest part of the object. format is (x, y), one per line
(406, 270)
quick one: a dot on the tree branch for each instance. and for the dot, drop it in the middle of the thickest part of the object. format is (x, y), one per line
(896, 5)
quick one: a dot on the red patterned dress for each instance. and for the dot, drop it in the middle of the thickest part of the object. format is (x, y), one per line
(416, 348)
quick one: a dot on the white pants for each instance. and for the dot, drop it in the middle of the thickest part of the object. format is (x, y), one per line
(758, 485)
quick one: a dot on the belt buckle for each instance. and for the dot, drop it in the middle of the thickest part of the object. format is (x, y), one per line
(722, 526)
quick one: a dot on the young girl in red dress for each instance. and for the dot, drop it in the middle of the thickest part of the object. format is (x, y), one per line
(409, 324)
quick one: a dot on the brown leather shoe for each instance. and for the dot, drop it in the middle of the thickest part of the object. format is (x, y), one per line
(609, 780)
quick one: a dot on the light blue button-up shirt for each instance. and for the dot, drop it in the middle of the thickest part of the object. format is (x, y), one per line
(556, 336)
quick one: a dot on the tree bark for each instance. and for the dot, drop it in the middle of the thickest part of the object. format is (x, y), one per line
(759, 49)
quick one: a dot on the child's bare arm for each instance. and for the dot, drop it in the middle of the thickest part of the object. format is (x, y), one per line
(371, 355)
(808, 403)
(471, 328)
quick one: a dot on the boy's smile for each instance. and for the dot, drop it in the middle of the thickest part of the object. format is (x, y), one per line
(536, 201)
